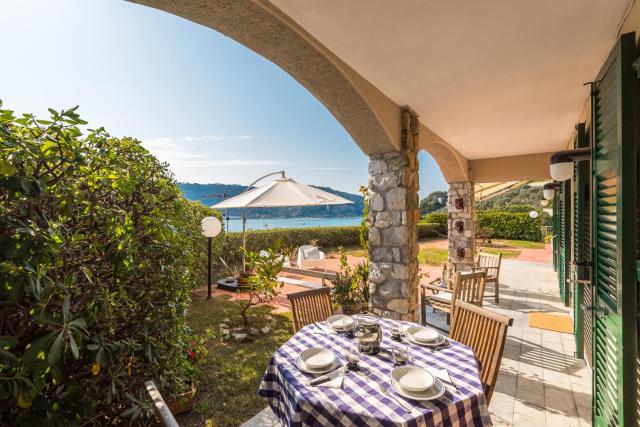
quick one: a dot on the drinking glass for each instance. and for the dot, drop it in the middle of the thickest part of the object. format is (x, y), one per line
(400, 354)
(349, 328)
(353, 357)
(396, 331)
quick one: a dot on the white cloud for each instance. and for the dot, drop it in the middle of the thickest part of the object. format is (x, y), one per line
(228, 162)
(244, 137)
(328, 169)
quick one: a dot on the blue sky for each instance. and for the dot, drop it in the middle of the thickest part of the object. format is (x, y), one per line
(216, 111)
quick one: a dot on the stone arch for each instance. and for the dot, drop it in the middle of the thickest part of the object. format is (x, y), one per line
(370, 117)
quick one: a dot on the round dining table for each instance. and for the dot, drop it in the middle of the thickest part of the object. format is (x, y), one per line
(360, 401)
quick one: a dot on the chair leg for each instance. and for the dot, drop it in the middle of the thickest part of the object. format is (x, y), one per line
(448, 318)
(423, 309)
(497, 294)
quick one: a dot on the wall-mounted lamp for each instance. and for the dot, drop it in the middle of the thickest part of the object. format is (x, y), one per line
(562, 162)
(548, 190)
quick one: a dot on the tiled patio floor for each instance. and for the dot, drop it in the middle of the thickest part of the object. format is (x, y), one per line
(540, 383)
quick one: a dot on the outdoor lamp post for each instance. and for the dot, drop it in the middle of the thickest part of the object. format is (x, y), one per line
(211, 227)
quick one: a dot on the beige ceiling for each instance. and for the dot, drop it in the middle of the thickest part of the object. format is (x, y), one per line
(493, 78)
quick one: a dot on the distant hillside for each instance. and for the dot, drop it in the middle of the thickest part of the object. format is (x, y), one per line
(209, 194)
(526, 197)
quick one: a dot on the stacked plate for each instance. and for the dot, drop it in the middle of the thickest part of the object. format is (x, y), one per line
(415, 383)
(340, 322)
(317, 360)
(425, 336)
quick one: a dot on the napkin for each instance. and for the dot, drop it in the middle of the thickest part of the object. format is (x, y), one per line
(334, 383)
(442, 374)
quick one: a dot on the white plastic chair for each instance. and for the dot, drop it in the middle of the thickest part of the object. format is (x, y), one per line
(311, 254)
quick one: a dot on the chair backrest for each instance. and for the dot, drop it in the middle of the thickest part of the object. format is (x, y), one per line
(160, 406)
(486, 333)
(491, 263)
(468, 287)
(310, 306)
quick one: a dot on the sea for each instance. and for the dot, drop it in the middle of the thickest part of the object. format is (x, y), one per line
(235, 224)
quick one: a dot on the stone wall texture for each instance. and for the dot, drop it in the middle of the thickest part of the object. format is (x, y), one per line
(393, 227)
(461, 228)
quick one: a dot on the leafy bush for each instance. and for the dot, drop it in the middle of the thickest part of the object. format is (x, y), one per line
(509, 225)
(263, 285)
(350, 287)
(328, 238)
(436, 218)
(99, 253)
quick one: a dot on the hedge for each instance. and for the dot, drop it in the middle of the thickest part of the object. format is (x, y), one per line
(326, 237)
(510, 225)
(99, 253)
(504, 225)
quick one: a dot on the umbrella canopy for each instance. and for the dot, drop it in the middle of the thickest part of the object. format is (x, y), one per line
(280, 193)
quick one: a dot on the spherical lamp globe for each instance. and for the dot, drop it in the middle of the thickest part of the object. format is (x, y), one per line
(211, 226)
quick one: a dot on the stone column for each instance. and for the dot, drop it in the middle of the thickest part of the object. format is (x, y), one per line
(393, 227)
(461, 229)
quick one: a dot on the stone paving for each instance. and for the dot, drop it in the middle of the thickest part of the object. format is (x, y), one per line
(540, 382)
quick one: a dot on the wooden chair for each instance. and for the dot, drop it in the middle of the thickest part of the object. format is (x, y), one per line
(160, 407)
(468, 287)
(310, 307)
(486, 333)
(490, 264)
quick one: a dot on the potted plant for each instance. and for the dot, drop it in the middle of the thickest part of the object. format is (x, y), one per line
(350, 289)
(195, 351)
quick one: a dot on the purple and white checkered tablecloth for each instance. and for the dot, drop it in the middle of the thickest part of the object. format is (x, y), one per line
(359, 402)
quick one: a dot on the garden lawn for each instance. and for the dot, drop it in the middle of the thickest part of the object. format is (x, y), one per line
(231, 374)
(522, 244)
(432, 256)
(506, 253)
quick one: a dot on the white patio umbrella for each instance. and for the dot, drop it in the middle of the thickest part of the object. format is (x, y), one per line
(281, 192)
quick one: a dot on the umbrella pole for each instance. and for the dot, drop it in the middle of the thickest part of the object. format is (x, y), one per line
(244, 239)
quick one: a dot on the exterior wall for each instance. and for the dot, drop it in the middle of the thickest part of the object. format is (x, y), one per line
(461, 229)
(393, 227)
(530, 167)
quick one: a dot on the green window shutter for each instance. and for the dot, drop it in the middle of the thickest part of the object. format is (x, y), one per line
(614, 185)
(579, 247)
(564, 224)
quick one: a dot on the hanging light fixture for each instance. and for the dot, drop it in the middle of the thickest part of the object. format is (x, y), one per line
(561, 167)
(548, 190)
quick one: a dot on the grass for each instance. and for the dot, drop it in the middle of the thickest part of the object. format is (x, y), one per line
(433, 256)
(232, 372)
(506, 253)
(353, 251)
(523, 244)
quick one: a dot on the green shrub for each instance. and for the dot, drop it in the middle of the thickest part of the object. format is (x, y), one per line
(510, 225)
(436, 218)
(328, 238)
(99, 253)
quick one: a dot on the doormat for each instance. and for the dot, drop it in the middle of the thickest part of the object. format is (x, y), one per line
(551, 322)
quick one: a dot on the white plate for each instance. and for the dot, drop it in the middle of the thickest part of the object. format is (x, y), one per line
(318, 357)
(413, 379)
(335, 322)
(423, 334)
(441, 339)
(304, 368)
(435, 392)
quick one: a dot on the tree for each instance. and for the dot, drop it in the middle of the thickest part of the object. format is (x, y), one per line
(433, 202)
